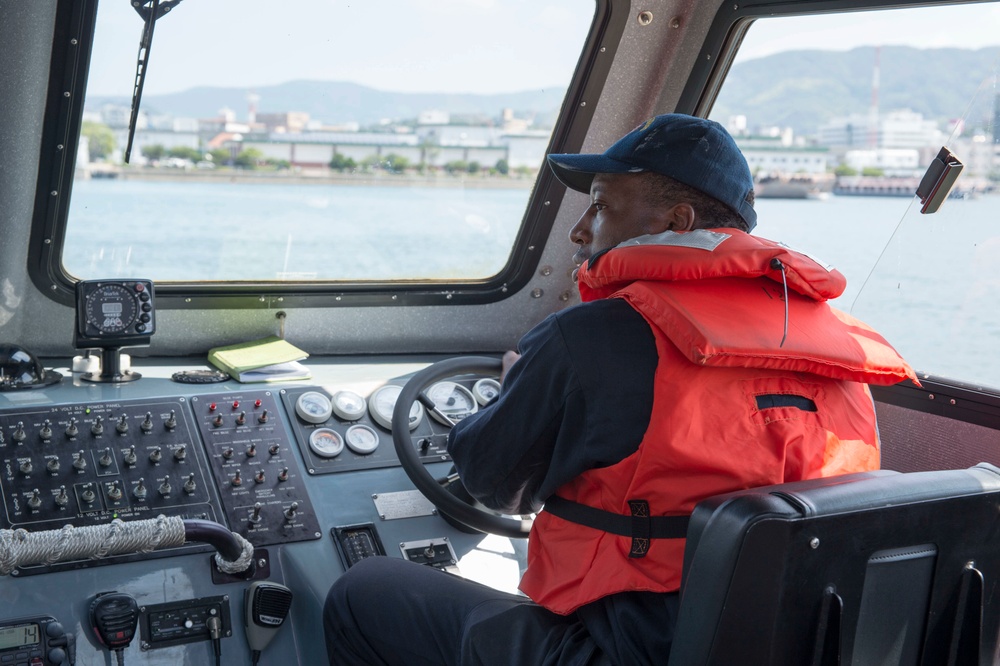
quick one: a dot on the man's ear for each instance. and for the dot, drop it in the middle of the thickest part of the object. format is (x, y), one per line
(681, 217)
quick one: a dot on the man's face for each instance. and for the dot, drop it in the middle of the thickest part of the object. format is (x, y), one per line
(619, 210)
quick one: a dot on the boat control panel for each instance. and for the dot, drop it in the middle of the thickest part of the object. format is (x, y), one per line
(306, 472)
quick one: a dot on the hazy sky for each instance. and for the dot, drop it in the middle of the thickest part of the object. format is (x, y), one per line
(965, 26)
(479, 46)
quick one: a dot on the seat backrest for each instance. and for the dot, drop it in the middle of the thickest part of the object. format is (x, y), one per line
(869, 568)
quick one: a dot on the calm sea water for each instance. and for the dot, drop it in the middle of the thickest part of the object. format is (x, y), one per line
(929, 283)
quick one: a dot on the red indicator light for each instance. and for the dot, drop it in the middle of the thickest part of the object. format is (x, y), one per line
(211, 407)
(256, 403)
(236, 404)
(140, 287)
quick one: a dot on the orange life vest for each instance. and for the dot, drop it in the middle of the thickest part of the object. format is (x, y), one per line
(715, 301)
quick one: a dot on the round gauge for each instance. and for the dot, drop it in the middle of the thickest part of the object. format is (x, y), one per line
(313, 407)
(348, 405)
(383, 401)
(361, 439)
(485, 390)
(453, 400)
(326, 443)
(111, 309)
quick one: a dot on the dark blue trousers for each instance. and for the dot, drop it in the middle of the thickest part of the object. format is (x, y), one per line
(390, 611)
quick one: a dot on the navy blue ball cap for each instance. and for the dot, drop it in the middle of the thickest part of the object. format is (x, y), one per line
(697, 152)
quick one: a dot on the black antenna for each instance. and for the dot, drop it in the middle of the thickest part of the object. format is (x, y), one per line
(149, 10)
(778, 266)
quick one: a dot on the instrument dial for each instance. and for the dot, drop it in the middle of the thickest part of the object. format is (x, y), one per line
(313, 407)
(111, 309)
(348, 405)
(486, 389)
(326, 443)
(361, 439)
(453, 400)
(383, 401)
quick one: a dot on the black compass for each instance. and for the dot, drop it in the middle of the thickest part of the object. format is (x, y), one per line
(111, 314)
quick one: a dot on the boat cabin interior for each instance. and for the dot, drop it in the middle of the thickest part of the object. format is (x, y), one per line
(363, 190)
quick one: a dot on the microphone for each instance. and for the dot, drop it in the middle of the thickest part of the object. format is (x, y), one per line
(266, 606)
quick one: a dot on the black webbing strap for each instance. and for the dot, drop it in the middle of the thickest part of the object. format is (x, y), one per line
(640, 526)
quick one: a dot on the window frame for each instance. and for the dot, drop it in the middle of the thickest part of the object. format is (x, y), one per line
(74, 35)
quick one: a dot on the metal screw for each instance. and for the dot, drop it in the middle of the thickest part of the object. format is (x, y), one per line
(645, 18)
(814, 543)
(536, 293)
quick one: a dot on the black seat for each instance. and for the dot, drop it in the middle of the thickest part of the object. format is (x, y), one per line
(869, 568)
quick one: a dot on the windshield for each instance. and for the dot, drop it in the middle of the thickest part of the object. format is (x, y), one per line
(839, 117)
(317, 141)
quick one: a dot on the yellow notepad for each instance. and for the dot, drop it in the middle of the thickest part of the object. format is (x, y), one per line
(267, 360)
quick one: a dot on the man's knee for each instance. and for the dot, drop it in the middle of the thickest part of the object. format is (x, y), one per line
(353, 589)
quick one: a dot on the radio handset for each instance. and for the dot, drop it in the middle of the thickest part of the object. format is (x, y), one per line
(266, 606)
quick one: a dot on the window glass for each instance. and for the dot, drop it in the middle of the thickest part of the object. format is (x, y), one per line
(318, 140)
(839, 117)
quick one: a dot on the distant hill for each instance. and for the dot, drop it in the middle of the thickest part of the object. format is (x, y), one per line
(797, 89)
(803, 89)
(340, 102)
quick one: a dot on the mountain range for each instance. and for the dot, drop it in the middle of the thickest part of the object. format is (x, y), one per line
(797, 89)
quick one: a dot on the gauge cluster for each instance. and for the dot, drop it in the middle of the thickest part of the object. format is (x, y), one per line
(342, 430)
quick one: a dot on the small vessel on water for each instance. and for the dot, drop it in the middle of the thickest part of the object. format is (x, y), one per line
(893, 186)
(793, 186)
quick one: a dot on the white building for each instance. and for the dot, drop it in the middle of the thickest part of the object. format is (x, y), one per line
(896, 129)
(891, 161)
(776, 154)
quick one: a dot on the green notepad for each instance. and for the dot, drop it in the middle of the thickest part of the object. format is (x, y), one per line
(268, 360)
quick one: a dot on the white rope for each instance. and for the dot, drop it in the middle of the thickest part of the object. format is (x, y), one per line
(241, 563)
(20, 548)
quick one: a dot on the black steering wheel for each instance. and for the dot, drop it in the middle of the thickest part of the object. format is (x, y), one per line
(432, 489)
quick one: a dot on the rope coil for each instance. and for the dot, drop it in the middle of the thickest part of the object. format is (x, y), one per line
(20, 548)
